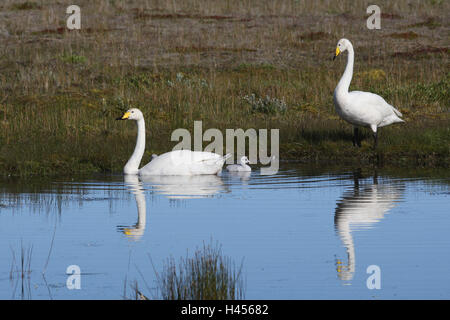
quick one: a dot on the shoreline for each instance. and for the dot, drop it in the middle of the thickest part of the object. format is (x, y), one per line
(378, 161)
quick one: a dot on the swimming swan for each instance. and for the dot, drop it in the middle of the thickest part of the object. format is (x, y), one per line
(178, 162)
(242, 167)
(364, 109)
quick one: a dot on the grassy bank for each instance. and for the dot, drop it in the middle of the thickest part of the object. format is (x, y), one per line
(231, 64)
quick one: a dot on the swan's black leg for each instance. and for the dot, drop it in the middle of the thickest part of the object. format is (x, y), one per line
(375, 140)
(356, 139)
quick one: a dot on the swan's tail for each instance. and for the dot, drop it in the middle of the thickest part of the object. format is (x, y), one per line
(215, 165)
(221, 162)
(225, 157)
(397, 113)
(217, 160)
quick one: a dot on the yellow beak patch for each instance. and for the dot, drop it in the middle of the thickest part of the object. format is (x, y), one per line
(337, 51)
(125, 115)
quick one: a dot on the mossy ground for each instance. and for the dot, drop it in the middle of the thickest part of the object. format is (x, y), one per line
(197, 60)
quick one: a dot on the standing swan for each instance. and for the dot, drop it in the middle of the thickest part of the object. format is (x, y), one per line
(364, 109)
(178, 162)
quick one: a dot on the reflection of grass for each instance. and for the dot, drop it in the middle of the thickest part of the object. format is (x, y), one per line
(208, 275)
(21, 270)
(61, 90)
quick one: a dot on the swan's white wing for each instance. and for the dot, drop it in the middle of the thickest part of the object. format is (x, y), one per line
(372, 109)
(184, 162)
(234, 167)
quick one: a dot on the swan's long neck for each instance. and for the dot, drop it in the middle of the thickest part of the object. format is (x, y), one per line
(344, 83)
(132, 166)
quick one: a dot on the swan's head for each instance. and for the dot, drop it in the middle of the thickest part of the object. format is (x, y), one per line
(132, 114)
(244, 160)
(341, 46)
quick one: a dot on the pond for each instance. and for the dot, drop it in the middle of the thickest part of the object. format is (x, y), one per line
(304, 233)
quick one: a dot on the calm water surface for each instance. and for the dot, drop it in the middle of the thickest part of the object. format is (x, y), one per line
(304, 233)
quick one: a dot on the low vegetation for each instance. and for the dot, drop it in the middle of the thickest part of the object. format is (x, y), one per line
(208, 275)
(231, 64)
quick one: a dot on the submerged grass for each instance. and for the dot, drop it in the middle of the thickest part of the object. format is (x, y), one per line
(182, 62)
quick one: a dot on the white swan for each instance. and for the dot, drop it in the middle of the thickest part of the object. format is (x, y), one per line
(178, 162)
(242, 167)
(364, 109)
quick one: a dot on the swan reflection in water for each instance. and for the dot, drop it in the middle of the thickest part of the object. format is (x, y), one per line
(136, 231)
(361, 208)
(185, 187)
(173, 187)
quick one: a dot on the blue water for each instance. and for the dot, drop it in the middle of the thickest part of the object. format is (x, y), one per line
(303, 233)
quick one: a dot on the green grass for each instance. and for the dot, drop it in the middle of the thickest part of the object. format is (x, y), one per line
(208, 275)
(61, 91)
(27, 5)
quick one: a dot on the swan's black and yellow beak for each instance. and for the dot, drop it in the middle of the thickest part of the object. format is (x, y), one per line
(337, 53)
(124, 117)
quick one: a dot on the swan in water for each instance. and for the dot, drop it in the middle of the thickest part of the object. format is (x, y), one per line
(241, 167)
(361, 209)
(178, 162)
(359, 108)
